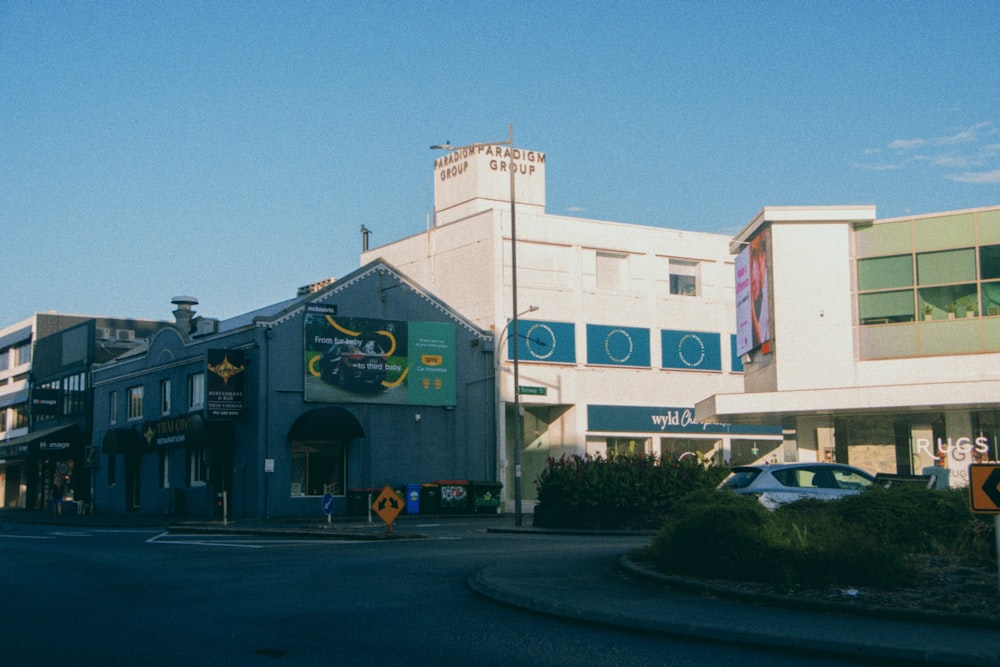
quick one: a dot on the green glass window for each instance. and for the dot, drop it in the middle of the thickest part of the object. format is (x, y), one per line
(947, 266)
(885, 272)
(886, 307)
(989, 262)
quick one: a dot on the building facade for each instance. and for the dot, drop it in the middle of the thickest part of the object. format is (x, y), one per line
(45, 406)
(874, 342)
(622, 327)
(355, 384)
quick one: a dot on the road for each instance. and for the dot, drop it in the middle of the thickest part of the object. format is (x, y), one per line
(97, 596)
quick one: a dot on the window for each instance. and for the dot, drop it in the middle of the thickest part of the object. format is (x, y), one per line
(683, 277)
(612, 271)
(20, 416)
(113, 407)
(164, 397)
(318, 468)
(164, 470)
(196, 391)
(3, 420)
(112, 469)
(22, 354)
(199, 466)
(135, 402)
(627, 446)
(74, 394)
(4, 358)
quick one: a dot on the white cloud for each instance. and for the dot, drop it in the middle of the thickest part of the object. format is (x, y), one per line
(906, 144)
(976, 177)
(876, 167)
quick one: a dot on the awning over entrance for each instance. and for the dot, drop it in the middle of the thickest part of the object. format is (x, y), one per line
(121, 441)
(52, 439)
(329, 423)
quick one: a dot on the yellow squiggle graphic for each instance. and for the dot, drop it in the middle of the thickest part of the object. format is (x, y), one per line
(342, 329)
(312, 365)
(398, 381)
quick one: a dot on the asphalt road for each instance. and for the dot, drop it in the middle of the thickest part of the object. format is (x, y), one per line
(129, 596)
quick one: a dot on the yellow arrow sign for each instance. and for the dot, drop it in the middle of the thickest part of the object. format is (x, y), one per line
(388, 505)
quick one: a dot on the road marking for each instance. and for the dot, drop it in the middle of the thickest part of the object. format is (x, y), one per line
(67, 533)
(29, 537)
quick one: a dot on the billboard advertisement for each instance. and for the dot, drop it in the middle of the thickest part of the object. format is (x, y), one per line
(365, 360)
(617, 346)
(753, 307)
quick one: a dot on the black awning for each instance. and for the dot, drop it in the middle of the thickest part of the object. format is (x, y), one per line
(121, 441)
(329, 423)
(58, 437)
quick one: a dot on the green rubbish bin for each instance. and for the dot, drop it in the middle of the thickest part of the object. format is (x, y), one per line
(430, 499)
(455, 496)
(486, 497)
(359, 500)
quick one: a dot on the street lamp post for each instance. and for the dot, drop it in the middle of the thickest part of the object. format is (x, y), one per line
(513, 280)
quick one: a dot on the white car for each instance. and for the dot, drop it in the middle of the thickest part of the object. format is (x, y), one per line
(779, 483)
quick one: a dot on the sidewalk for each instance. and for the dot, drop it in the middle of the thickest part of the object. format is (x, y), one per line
(597, 590)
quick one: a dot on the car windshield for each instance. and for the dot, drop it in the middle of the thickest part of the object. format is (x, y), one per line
(740, 478)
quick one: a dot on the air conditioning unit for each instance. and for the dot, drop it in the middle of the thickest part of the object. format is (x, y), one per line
(125, 335)
(103, 333)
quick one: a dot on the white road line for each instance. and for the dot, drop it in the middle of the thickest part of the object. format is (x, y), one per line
(29, 537)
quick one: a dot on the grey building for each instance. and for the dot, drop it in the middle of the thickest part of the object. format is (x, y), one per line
(356, 384)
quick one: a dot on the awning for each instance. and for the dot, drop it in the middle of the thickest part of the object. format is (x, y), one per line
(329, 423)
(121, 441)
(56, 438)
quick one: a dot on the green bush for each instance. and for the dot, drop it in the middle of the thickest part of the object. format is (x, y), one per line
(619, 490)
(862, 540)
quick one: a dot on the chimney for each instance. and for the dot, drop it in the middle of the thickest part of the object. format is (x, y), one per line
(184, 312)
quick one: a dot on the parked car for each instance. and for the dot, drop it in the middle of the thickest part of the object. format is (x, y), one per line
(779, 483)
(355, 364)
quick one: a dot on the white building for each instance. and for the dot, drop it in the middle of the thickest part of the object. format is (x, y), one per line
(881, 345)
(622, 327)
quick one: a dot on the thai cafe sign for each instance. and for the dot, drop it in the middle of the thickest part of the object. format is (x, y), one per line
(225, 384)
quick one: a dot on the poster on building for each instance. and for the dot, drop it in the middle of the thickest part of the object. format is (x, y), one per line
(365, 360)
(691, 350)
(225, 384)
(753, 306)
(617, 346)
(549, 342)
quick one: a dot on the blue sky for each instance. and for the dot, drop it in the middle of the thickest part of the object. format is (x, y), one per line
(232, 151)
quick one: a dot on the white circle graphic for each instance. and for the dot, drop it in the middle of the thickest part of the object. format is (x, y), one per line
(607, 346)
(700, 353)
(549, 341)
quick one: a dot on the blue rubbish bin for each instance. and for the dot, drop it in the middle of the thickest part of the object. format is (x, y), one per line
(413, 498)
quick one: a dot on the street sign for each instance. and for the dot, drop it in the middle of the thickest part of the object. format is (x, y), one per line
(984, 487)
(388, 505)
(327, 503)
(532, 391)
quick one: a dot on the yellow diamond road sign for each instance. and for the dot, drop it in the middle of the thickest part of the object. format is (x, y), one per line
(388, 505)
(984, 487)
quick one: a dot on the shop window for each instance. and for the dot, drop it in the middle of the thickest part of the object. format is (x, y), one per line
(886, 307)
(135, 402)
(198, 467)
(683, 277)
(196, 391)
(113, 407)
(164, 397)
(628, 446)
(612, 271)
(318, 468)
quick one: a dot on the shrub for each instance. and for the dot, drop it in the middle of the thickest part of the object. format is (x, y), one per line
(617, 490)
(851, 541)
